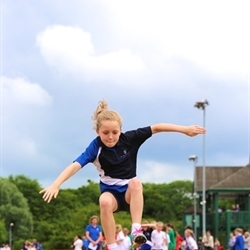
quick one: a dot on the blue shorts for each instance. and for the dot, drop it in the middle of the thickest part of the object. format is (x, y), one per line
(122, 205)
(119, 194)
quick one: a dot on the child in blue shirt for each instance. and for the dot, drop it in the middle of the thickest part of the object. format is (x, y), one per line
(239, 240)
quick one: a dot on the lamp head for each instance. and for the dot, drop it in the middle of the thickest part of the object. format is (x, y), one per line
(193, 158)
(201, 104)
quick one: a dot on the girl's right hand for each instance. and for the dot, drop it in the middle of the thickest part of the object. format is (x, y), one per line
(50, 192)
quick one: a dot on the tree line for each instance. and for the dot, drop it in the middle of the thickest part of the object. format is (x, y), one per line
(55, 224)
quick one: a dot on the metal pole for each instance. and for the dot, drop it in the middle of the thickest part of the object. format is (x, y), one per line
(10, 237)
(204, 180)
(202, 105)
(10, 234)
(194, 158)
(195, 194)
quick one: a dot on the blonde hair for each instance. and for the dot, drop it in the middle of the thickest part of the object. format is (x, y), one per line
(125, 230)
(119, 228)
(159, 223)
(189, 232)
(239, 230)
(93, 217)
(102, 113)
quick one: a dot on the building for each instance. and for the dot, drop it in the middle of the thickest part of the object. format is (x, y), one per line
(224, 185)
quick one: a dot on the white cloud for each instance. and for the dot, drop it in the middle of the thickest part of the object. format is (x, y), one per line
(158, 172)
(160, 57)
(22, 91)
(25, 114)
(228, 159)
(28, 147)
(213, 34)
(23, 147)
(69, 49)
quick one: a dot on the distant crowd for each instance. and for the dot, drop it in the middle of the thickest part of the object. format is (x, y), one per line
(27, 245)
(159, 236)
(34, 245)
(5, 246)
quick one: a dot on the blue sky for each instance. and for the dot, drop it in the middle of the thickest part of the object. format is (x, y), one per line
(151, 60)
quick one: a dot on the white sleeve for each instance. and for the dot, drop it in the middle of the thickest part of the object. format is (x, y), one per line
(152, 236)
(121, 236)
(164, 235)
(211, 241)
(193, 243)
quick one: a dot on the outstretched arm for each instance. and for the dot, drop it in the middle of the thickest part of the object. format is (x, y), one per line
(52, 191)
(192, 130)
(148, 224)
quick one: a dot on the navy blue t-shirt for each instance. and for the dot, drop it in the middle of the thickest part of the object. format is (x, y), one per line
(116, 165)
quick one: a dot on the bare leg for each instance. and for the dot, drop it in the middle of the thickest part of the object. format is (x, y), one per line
(134, 197)
(108, 205)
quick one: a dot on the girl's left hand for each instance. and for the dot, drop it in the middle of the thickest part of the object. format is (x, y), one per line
(194, 130)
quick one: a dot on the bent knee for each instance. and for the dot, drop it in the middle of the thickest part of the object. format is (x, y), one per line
(135, 184)
(107, 202)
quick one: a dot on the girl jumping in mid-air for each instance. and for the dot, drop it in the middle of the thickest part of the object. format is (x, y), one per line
(114, 154)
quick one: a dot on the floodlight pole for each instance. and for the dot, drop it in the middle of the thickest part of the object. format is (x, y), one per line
(202, 105)
(10, 234)
(194, 158)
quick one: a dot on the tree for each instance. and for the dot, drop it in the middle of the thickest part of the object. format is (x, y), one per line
(3, 232)
(14, 209)
(55, 224)
(181, 197)
(166, 202)
(30, 190)
(89, 194)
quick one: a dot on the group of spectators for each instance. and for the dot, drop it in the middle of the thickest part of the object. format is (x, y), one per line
(27, 245)
(239, 240)
(32, 245)
(159, 236)
(5, 247)
(209, 243)
(234, 208)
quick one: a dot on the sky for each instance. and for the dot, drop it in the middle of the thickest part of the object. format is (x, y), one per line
(151, 60)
